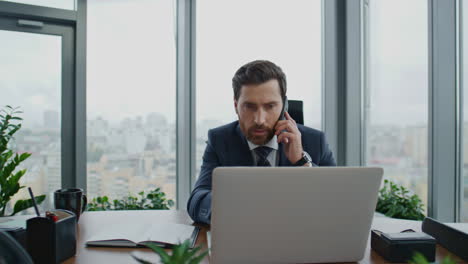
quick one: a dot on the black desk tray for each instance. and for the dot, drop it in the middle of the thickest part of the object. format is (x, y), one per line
(452, 239)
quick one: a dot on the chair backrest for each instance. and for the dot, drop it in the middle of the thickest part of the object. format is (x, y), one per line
(11, 251)
(295, 109)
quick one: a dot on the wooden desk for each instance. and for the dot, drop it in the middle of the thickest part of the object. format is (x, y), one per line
(91, 222)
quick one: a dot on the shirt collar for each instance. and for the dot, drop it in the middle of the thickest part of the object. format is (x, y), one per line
(273, 143)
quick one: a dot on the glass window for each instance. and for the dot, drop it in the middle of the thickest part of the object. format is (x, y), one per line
(464, 47)
(131, 97)
(30, 70)
(62, 4)
(397, 94)
(232, 33)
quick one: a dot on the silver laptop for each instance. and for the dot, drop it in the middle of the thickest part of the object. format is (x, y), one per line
(292, 215)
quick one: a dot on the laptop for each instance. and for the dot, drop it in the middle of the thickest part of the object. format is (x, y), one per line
(292, 214)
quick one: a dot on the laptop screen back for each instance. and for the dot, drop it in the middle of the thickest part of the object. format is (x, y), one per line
(292, 215)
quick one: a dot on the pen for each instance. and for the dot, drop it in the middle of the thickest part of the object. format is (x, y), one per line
(33, 201)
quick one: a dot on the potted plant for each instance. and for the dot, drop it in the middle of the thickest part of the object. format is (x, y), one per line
(9, 161)
(396, 202)
(154, 200)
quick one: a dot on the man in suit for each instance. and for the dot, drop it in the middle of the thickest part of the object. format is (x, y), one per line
(259, 137)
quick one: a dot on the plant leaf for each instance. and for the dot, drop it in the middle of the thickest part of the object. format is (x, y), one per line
(24, 156)
(13, 131)
(199, 258)
(21, 205)
(179, 251)
(419, 258)
(141, 260)
(165, 258)
(448, 260)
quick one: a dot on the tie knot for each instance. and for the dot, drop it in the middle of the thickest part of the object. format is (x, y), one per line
(263, 151)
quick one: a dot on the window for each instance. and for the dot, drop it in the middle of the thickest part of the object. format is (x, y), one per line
(31, 66)
(131, 97)
(62, 4)
(396, 108)
(464, 47)
(232, 33)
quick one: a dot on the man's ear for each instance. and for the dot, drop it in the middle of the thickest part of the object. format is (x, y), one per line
(235, 106)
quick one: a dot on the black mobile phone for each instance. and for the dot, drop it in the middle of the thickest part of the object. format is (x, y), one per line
(285, 108)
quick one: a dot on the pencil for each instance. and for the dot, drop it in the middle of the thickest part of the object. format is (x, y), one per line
(33, 201)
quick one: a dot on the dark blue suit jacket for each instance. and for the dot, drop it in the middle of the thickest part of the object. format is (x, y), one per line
(227, 146)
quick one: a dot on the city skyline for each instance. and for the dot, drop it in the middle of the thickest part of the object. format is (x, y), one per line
(139, 154)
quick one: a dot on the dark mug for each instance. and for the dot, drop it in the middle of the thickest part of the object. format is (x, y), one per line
(71, 199)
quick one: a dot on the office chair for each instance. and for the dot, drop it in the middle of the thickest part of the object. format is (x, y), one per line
(11, 251)
(295, 110)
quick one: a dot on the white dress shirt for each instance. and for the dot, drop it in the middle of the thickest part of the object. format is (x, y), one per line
(272, 157)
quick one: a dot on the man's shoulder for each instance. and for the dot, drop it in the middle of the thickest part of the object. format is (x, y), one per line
(308, 131)
(224, 129)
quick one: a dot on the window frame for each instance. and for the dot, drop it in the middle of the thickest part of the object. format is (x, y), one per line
(62, 23)
(444, 122)
(186, 103)
(444, 127)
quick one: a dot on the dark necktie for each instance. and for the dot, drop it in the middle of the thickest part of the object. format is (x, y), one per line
(262, 154)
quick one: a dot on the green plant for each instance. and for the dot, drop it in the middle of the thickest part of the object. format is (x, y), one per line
(155, 199)
(395, 201)
(9, 178)
(419, 258)
(181, 254)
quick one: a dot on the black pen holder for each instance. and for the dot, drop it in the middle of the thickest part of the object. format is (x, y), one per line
(49, 241)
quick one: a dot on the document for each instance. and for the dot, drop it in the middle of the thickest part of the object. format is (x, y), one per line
(134, 235)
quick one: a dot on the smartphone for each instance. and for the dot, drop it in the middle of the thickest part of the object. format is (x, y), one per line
(285, 108)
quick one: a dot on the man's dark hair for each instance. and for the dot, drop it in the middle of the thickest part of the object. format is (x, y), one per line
(258, 72)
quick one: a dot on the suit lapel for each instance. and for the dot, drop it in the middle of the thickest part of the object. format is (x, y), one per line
(244, 156)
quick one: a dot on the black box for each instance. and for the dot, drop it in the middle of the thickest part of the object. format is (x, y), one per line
(49, 241)
(452, 239)
(401, 247)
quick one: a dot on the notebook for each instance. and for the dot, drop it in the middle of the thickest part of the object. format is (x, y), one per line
(130, 235)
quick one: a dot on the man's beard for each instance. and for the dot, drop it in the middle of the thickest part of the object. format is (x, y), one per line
(260, 140)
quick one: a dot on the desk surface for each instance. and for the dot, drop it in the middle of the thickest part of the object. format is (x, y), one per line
(90, 223)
